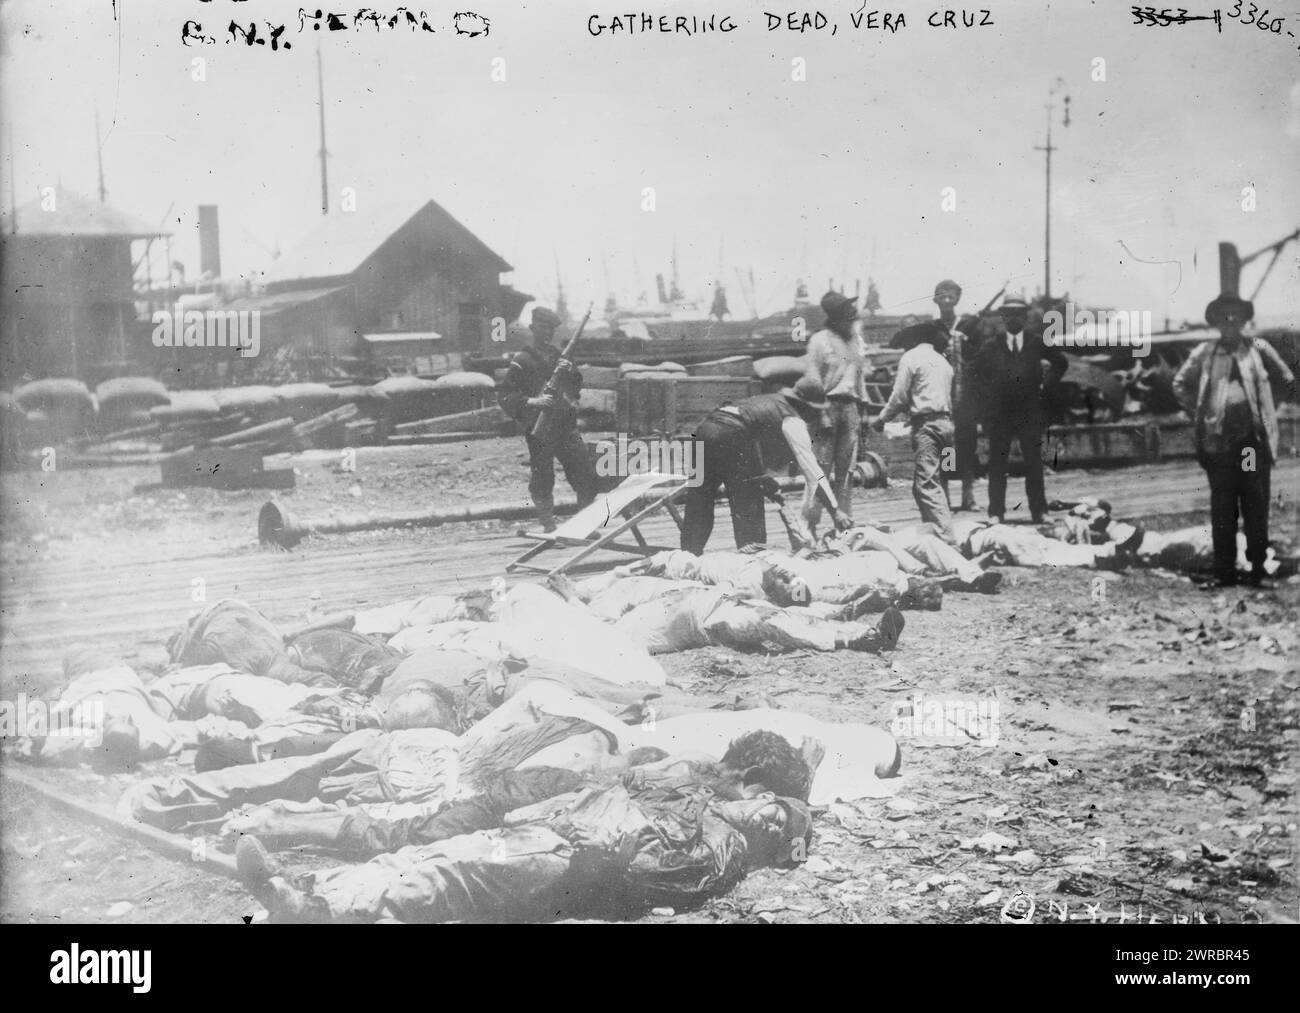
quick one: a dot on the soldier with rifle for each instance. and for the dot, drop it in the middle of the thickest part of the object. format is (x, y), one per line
(540, 392)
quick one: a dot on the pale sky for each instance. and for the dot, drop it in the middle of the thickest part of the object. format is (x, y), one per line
(850, 164)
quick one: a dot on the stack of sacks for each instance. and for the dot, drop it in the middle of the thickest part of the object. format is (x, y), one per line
(125, 401)
(407, 399)
(303, 401)
(258, 402)
(57, 409)
(635, 370)
(466, 381)
(187, 406)
(777, 371)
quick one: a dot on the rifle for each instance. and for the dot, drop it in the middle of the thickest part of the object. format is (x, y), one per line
(552, 388)
(989, 305)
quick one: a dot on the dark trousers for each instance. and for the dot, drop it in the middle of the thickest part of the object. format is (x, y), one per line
(1230, 486)
(727, 457)
(566, 445)
(1028, 432)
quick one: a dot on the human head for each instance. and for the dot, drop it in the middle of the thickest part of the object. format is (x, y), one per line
(544, 324)
(1229, 314)
(840, 311)
(927, 332)
(785, 588)
(1014, 312)
(765, 758)
(807, 398)
(420, 706)
(947, 294)
(771, 826)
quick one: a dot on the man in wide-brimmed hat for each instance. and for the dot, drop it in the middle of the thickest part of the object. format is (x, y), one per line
(1010, 376)
(737, 445)
(1224, 386)
(923, 392)
(835, 361)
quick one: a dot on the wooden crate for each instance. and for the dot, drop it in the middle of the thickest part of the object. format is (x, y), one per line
(676, 405)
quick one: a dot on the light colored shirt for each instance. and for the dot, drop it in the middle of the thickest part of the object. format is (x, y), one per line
(1205, 381)
(923, 384)
(1015, 342)
(838, 365)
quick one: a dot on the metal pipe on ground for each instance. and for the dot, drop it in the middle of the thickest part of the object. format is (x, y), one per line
(172, 845)
(278, 525)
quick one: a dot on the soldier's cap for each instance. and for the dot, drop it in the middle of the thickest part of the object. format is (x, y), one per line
(542, 317)
(928, 330)
(808, 393)
(949, 284)
(1225, 302)
(1013, 302)
(838, 307)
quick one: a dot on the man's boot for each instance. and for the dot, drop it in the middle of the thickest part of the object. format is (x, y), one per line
(546, 516)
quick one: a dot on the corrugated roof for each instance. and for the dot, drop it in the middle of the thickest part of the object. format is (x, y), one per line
(281, 301)
(75, 215)
(345, 241)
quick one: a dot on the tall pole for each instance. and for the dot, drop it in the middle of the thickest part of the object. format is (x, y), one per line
(1047, 218)
(324, 175)
(1047, 227)
(99, 156)
(13, 191)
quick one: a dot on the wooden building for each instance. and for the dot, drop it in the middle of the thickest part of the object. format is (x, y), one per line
(397, 283)
(67, 264)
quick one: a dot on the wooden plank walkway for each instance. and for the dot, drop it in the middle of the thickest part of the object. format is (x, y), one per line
(47, 607)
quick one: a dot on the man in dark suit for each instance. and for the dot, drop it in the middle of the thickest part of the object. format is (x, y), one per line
(1010, 375)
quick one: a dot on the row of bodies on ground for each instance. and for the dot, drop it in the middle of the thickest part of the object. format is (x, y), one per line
(494, 754)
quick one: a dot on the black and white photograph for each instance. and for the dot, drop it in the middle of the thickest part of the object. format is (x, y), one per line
(703, 463)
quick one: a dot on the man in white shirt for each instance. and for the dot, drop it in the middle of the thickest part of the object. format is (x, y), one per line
(738, 444)
(836, 362)
(923, 392)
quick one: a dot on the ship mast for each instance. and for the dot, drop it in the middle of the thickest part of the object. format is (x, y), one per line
(324, 153)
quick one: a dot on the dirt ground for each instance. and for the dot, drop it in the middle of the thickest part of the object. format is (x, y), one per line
(1146, 731)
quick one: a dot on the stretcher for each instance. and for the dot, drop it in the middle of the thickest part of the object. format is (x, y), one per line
(598, 526)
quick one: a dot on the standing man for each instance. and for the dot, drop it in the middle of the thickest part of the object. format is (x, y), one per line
(836, 364)
(1224, 386)
(521, 397)
(962, 350)
(738, 444)
(923, 392)
(1010, 375)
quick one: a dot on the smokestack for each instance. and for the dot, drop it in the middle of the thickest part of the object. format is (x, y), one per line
(1229, 269)
(209, 241)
